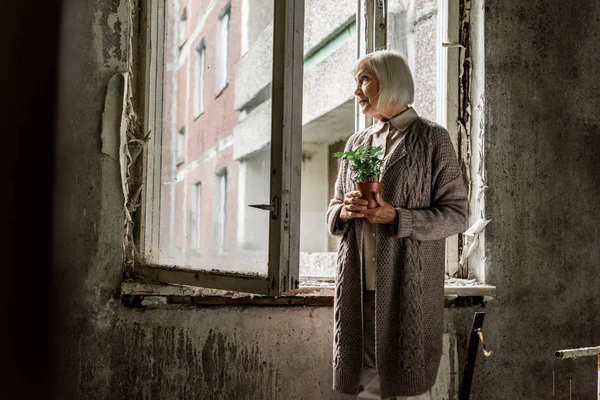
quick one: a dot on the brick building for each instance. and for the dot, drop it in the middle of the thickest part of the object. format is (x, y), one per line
(216, 153)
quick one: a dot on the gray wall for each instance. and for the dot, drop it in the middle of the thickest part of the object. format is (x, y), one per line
(542, 146)
(542, 152)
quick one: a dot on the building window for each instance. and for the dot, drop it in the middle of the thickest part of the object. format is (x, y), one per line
(182, 28)
(223, 49)
(220, 212)
(180, 152)
(196, 217)
(199, 80)
(274, 143)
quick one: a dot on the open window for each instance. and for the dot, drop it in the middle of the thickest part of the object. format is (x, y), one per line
(263, 147)
(240, 148)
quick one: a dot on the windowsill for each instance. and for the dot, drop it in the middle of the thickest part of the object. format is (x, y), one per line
(458, 293)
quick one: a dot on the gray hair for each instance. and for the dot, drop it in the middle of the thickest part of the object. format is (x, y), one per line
(396, 85)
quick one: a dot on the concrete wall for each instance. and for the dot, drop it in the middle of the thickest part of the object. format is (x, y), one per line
(412, 31)
(315, 197)
(542, 149)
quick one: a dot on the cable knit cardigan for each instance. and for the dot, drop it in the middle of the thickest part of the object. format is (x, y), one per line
(423, 180)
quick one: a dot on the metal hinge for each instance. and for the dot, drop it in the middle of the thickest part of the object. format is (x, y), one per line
(274, 207)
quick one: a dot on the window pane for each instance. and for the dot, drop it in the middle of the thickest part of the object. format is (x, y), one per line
(328, 121)
(226, 143)
(183, 27)
(195, 225)
(220, 217)
(180, 153)
(199, 80)
(413, 29)
(223, 51)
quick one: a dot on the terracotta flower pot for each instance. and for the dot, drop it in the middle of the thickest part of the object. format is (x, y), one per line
(368, 190)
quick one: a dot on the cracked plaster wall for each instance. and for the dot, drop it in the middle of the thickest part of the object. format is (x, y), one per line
(542, 150)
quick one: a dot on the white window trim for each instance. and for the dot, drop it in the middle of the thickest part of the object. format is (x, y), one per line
(286, 144)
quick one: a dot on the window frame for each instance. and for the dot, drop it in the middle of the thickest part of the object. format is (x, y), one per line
(286, 128)
(450, 21)
(283, 265)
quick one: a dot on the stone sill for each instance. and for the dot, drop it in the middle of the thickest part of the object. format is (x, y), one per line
(458, 293)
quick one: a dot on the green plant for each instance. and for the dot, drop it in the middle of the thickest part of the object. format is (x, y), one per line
(365, 162)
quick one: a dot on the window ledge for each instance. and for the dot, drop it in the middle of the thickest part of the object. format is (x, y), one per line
(458, 293)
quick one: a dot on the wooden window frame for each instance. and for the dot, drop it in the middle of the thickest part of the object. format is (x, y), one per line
(286, 140)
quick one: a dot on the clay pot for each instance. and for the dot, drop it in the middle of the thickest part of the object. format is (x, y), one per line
(368, 190)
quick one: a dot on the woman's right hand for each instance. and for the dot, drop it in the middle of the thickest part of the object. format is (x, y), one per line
(353, 206)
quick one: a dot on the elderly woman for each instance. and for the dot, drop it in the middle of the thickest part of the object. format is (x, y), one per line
(389, 293)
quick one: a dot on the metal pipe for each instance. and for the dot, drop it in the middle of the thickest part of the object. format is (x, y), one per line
(582, 352)
(575, 353)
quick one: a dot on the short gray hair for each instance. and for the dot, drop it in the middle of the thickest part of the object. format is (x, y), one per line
(396, 85)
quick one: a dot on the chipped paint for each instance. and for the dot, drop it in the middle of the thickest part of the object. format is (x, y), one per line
(471, 134)
(108, 25)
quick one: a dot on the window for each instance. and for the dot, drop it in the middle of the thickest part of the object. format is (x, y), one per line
(195, 225)
(220, 208)
(264, 159)
(180, 149)
(182, 28)
(246, 148)
(199, 80)
(223, 49)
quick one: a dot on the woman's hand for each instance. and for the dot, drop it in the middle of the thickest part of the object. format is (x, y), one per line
(384, 214)
(353, 207)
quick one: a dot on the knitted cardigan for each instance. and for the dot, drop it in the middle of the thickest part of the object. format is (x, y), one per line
(422, 179)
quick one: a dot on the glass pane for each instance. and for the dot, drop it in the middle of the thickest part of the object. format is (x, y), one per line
(414, 30)
(328, 121)
(216, 135)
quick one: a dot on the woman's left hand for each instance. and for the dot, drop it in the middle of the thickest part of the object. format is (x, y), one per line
(384, 214)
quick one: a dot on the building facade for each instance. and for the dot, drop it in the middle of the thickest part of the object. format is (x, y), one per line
(216, 153)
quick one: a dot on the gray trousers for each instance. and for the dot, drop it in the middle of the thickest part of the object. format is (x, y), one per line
(369, 378)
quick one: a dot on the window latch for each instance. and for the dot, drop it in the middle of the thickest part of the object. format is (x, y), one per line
(274, 207)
